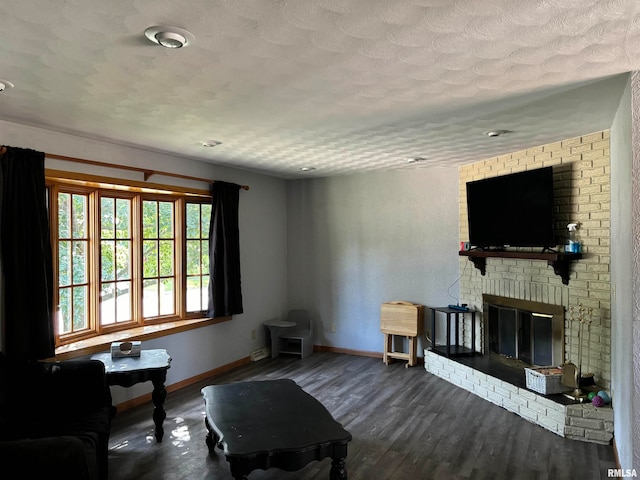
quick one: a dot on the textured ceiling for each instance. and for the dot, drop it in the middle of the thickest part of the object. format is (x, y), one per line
(339, 85)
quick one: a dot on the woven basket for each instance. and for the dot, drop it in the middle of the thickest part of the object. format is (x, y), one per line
(545, 380)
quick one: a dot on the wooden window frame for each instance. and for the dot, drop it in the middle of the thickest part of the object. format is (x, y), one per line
(95, 187)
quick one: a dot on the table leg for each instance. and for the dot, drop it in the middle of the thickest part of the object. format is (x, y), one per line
(273, 333)
(473, 333)
(388, 339)
(457, 327)
(238, 470)
(338, 469)
(448, 350)
(413, 351)
(433, 329)
(158, 396)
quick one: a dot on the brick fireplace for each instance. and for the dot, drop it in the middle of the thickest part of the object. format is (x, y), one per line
(582, 195)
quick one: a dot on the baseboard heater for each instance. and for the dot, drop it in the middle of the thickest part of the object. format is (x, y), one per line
(260, 353)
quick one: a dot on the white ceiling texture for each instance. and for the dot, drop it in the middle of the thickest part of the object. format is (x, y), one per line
(342, 86)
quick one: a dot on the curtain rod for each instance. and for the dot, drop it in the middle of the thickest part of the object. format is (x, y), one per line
(147, 172)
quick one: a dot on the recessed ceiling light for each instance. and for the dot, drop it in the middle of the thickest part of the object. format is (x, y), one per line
(415, 159)
(307, 169)
(5, 85)
(169, 37)
(211, 143)
(495, 133)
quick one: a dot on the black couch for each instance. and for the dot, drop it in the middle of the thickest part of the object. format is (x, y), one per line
(55, 419)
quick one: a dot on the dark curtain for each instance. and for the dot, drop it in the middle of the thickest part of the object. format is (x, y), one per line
(225, 294)
(26, 256)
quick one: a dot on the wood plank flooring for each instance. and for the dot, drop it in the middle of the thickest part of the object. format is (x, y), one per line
(406, 424)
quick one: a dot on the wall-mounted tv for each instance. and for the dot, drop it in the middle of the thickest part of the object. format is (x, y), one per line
(514, 210)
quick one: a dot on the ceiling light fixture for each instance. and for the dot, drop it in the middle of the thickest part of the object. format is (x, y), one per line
(169, 37)
(307, 169)
(495, 133)
(211, 143)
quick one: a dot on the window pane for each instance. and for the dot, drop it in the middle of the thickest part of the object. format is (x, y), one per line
(205, 292)
(165, 218)
(64, 214)
(107, 260)
(64, 263)
(167, 299)
(79, 210)
(64, 312)
(193, 220)
(150, 298)
(107, 218)
(80, 308)
(193, 257)
(166, 258)
(205, 257)
(194, 301)
(206, 220)
(150, 258)
(123, 259)
(79, 262)
(123, 218)
(150, 219)
(107, 304)
(123, 303)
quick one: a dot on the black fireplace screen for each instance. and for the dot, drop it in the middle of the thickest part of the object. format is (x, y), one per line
(526, 336)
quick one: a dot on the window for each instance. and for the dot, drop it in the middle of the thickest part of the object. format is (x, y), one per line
(126, 258)
(197, 237)
(158, 258)
(73, 262)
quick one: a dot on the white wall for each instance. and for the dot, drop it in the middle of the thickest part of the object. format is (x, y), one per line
(358, 241)
(263, 243)
(621, 279)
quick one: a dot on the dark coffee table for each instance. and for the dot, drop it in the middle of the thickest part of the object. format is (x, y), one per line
(272, 423)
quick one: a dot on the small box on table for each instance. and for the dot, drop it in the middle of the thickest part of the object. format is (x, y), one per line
(126, 349)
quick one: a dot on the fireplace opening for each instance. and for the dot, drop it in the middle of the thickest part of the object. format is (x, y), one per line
(530, 332)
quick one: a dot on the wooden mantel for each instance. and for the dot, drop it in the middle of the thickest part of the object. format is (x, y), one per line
(560, 262)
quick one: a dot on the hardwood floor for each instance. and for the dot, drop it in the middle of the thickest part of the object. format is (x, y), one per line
(406, 424)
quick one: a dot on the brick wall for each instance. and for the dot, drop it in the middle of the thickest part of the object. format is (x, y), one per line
(582, 195)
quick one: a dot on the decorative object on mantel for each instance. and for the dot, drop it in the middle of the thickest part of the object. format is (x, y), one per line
(572, 244)
(605, 397)
(600, 399)
(126, 349)
(572, 376)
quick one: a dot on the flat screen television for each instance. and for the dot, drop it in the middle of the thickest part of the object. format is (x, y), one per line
(514, 210)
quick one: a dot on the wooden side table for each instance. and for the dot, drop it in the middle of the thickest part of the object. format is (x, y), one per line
(401, 318)
(150, 365)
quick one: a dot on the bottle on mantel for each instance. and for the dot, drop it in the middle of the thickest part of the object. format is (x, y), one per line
(572, 245)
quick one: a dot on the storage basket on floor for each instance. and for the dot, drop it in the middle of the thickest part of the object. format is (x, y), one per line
(545, 380)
